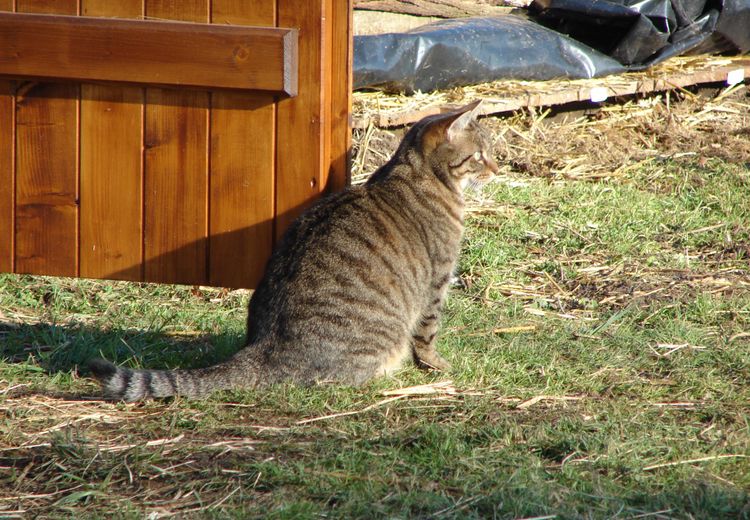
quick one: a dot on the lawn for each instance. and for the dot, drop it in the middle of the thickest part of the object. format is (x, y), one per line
(599, 336)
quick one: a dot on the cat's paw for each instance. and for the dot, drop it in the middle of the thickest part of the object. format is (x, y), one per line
(434, 361)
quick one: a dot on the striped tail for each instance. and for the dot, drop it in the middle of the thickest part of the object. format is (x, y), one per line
(136, 385)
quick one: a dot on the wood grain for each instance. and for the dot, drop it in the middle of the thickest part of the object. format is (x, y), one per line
(440, 8)
(152, 52)
(111, 209)
(341, 96)
(300, 142)
(7, 177)
(46, 169)
(326, 60)
(46, 180)
(108, 8)
(175, 185)
(242, 12)
(241, 197)
(7, 173)
(176, 170)
(47, 6)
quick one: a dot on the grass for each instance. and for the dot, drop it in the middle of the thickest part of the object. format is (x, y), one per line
(601, 361)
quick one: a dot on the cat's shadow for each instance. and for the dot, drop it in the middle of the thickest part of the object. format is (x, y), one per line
(63, 349)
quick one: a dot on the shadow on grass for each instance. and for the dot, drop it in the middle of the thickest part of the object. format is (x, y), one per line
(67, 348)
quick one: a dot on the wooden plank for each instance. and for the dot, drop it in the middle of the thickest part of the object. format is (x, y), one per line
(46, 224)
(107, 8)
(691, 71)
(341, 96)
(111, 178)
(300, 141)
(439, 8)
(7, 169)
(7, 180)
(327, 88)
(46, 180)
(148, 52)
(47, 6)
(241, 198)
(378, 22)
(176, 176)
(242, 12)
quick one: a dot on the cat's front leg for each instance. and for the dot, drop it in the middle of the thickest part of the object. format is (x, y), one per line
(423, 342)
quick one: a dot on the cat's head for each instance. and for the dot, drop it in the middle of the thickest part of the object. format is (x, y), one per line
(457, 147)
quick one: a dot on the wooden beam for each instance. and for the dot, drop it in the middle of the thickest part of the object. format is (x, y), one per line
(508, 96)
(195, 55)
(439, 8)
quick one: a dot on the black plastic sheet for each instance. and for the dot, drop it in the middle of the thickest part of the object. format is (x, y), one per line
(563, 39)
(641, 33)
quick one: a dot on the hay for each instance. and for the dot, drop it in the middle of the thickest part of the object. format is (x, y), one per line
(594, 144)
(389, 110)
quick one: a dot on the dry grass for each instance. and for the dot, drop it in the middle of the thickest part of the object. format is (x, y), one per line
(597, 143)
(384, 109)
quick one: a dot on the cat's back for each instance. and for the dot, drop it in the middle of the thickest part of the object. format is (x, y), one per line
(355, 254)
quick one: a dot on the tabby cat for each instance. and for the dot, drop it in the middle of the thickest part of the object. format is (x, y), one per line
(356, 285)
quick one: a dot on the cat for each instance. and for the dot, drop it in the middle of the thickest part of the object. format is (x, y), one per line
(356, 285)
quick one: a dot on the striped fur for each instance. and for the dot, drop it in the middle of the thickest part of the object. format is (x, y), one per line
(356, 286)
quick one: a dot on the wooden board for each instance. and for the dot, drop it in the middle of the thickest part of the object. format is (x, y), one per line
(175, 186)
(300, 140)
(108, 8)
(7, 178)
(326, 82)
(111, 224)
(384, 110)
(160, 184)
(378, 22)
(439, 8)
(7, 175)
(152, 52)
(47, 168)
(47, 6)
(176, 170)
(241, 191)
(341, 97)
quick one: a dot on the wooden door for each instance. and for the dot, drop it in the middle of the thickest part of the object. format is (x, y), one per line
(150, 150)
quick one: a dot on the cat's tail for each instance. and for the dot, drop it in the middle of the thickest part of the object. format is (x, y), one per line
(126, 384)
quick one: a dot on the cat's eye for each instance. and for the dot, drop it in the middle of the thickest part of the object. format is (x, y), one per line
(477, 156)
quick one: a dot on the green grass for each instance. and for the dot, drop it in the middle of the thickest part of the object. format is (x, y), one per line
(601, 369)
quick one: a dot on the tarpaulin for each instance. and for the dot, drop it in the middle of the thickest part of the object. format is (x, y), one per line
(561, 39)
(641, 33)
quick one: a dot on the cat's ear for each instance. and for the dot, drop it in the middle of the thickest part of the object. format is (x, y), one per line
(467, 114)
(448, 126)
